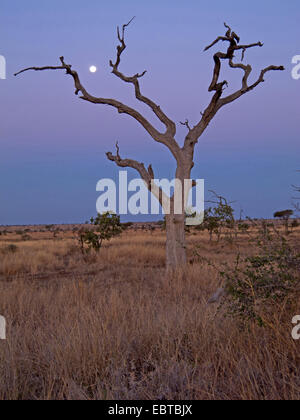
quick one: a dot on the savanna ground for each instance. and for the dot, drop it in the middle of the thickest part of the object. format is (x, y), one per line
(115, 326)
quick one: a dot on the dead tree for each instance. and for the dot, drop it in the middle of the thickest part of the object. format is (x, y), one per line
(184, 155)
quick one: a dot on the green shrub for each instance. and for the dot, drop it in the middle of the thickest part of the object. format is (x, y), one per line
(104, 227)
(257, 284)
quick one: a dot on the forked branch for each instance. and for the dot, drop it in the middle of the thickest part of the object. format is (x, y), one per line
(245, 87)
(122, 108)
(166, 138)
(218, 86)
(134, 80)
(146, 175)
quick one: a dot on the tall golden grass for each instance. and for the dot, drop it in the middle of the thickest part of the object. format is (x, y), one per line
(117, 327)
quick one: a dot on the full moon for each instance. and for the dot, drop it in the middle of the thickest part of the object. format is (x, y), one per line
(93, 69)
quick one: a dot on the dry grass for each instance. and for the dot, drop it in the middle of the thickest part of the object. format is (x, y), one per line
(118, 328)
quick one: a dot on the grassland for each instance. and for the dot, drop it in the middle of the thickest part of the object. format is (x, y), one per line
(116, 326)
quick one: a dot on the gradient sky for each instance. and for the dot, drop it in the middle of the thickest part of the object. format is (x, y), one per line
(52, 145)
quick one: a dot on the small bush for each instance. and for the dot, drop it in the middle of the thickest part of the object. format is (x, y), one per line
(10, 249)
(104, 227)
(258, 284)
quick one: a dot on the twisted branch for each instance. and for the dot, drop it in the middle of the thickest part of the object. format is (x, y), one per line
(166, 138)
(233, 40)
(218, 87)
(146, 175)
(245, 87)
(134, 80)
(183, 156)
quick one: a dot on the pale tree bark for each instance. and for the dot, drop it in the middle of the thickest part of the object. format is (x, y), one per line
(184, 155)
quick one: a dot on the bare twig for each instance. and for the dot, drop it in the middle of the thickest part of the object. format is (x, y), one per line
(186, 124)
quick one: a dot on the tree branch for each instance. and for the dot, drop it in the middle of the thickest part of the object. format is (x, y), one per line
(245, 87)
(217, 101)
(134, 80)
(170, 125)
(233, 40)
(41, 68)
(166, 138)
(122, 108)
(146, 175)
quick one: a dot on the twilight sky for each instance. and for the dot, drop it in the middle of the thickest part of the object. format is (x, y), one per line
(52, 144)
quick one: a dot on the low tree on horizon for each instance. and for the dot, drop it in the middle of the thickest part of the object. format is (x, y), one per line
(284, 215)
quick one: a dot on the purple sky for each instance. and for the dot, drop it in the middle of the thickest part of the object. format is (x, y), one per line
(52, 145)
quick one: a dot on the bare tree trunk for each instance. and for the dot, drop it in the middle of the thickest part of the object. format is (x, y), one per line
(176, 242)
(176, 250)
